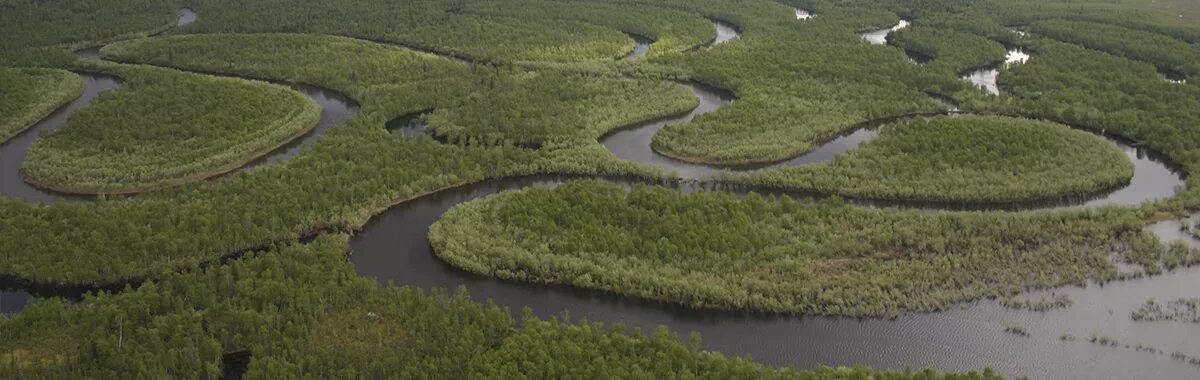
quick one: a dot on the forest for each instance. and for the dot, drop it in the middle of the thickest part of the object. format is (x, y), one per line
(194, 268)
(165, 128)
(300, 311)
(717, 250)
(1167, 53)
(550, 108)
(29, 94)
(29, 24)
(671, 30)
(1021, 160)
(949, 50)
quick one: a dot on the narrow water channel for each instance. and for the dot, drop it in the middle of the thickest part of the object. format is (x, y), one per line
(725, 32)
(985, 78)
(394, 247)
(879, 37)
(641, 46)
(802, 14)
(12, 152)
(336, 108)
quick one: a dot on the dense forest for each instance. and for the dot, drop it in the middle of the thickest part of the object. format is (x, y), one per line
(671, 30)
(526, 87)
(165, 128)
(1168, 54)
(549, 108)
(716, 250)
(26, 24)
(949, 49)
(1088, 88)
(29, 94)
(299, 311)
(444, 26)
(965, 158)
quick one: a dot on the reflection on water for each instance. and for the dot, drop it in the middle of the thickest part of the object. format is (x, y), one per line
(12, 301)
(410, 126)
(985, 78)
(1153, 176)
(186, 16)
(879, 37)
(1173, 77)
(725, 32)
(335, 109)
(13, 151)
(394, 247)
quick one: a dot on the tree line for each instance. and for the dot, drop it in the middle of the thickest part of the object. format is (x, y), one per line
(165, 128)
(984, 159)
(299, 310)
(715, 250)
(29, 94)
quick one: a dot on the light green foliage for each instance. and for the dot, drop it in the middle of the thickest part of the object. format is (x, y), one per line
(278, 304)
(761, 127)
(978, 159)
(539, 109)
(672, 30)
(428, 24)
(797, 86)
(28, 95)
(715, 250)
(798, 83)
(165, 128)
(352, 172)
(1168, 54)
(1088, 88)
(301, 311)
(368, 72)
(1132, 14)
(951, 50)
(356, 170)
(25, 23)
(592, 350)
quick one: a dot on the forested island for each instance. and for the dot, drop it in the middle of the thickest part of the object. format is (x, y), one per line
(800, 189)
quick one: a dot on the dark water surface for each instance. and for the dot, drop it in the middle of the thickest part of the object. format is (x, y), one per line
(640, 48)
(12, 301)
(12, 152)
(336, 108)
(394, 247)
(1153, 176)
(1173, 77)
(410, 126)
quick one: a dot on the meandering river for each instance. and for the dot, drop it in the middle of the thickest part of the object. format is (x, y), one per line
(394, 247)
